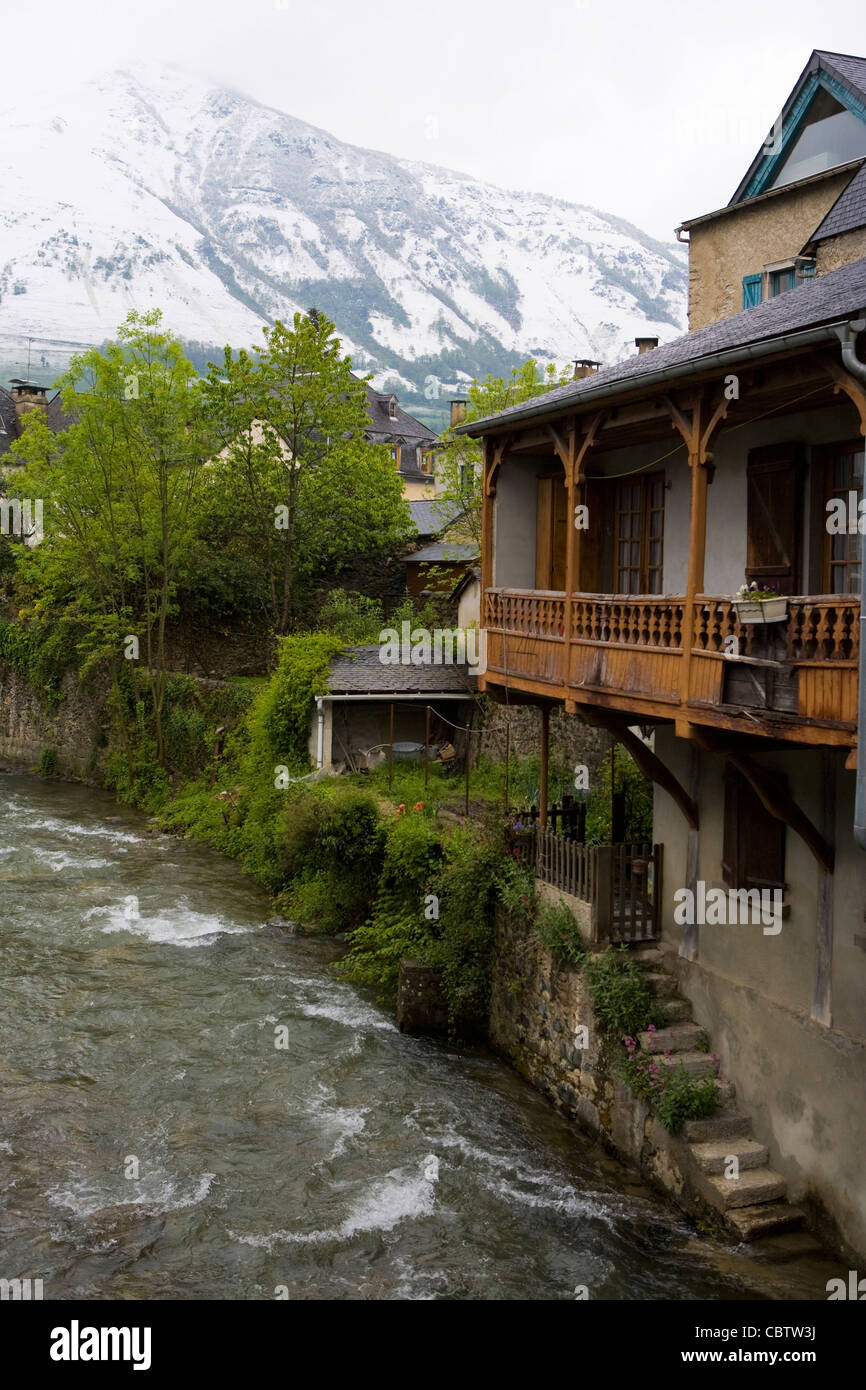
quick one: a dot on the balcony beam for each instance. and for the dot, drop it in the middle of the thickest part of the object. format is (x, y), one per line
(775, 799)
(650, 764)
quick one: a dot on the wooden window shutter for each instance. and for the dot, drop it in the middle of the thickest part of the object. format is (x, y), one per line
(753, 853)
(597, 499)
(543, 533)
(752, 290)
(774, 522)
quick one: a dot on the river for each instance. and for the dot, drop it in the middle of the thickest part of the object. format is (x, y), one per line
(191, 1107)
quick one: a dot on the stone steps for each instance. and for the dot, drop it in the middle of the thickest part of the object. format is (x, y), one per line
(679, 1037)
(753, 1205)
(724, 1125)
(675, 1010)
(694, 1063)
(757, 1222)
(713, 1156)
(756, 1185)
(661, 984)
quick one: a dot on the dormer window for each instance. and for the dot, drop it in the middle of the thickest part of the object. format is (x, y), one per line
(395, 454)
(425, 460)
(392, 408)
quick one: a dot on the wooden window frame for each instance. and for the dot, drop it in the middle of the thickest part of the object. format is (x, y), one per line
(645, 483)
(826, 456)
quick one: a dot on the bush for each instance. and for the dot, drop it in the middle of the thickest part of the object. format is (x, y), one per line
(397, 926)
(462, 947)
(620, 995)
(329, 842)
(674, 1095)
(557, 930)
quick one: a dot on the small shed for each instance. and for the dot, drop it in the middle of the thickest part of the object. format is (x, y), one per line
(371, 706)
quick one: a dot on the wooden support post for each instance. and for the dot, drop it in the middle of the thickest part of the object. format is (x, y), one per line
(545, 757)
(507, 760)
(822, 1001)
(467, 768)
(426, 747)
(391, 751)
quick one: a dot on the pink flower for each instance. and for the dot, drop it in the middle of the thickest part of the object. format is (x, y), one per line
(419, 806)
(668, 1051)
(651, 1028)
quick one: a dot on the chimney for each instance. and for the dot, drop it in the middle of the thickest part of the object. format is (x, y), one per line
(585, 366)
(458, 411)
(26, 396)
(645, 345)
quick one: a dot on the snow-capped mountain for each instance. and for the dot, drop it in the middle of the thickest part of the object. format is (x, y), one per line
(138, 191)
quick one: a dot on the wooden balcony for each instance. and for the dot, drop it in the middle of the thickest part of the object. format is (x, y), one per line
(795, 680)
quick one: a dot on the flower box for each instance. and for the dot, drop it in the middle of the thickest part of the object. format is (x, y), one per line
(761, 610)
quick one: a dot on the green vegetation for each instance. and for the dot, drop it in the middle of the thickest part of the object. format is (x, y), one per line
(674, 1095)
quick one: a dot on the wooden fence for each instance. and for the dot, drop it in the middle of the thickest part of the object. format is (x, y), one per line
(622, 883)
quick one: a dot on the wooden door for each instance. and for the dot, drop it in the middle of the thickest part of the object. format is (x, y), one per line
(774, 520)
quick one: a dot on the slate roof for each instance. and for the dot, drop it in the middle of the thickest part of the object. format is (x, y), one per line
(358, 671)
(10, 425)
(431, 516)
(848, 68)
(405, 429)
(848, 211)
(830, 298)
(454, 554)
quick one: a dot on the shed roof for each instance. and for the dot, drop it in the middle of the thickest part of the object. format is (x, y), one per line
(359, 671)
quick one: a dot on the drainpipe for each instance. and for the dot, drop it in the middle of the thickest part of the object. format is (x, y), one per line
(847, 336)
(320, 737)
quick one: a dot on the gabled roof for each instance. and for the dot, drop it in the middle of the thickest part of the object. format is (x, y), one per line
(403, 429)
(432, 516)
(358, 671)
(833, 298)
(843, 76)
(848, 211)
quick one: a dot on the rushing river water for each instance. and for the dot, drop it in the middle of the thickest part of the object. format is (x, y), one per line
(156, 1143)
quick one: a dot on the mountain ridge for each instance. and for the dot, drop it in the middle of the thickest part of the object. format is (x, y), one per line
(227, 213)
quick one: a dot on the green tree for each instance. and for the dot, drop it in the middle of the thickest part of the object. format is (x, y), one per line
(121, 488)
(297, 488)
(459, 460)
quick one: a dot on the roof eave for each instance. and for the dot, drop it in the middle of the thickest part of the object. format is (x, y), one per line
(648, 382)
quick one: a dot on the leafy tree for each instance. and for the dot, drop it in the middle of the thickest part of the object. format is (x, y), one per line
(459, 461)
(297, 489)
(121, 487)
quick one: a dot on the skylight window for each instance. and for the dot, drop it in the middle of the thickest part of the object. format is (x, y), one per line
(830, 135)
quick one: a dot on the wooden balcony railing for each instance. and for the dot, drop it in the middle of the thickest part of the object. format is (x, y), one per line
(631, 649)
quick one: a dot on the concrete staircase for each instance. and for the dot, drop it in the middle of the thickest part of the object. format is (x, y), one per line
(753, 1205)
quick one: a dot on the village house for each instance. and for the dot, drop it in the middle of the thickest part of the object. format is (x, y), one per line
(622, 514)
(20, 398)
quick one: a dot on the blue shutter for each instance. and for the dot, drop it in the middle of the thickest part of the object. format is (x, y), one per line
(751, 290)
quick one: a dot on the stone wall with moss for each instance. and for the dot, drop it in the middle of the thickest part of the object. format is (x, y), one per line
(536, 1008)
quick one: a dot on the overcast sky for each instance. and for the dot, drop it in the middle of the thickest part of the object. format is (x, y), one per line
(648, 111)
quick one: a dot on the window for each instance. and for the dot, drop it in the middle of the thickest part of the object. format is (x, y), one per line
(753, 853)
(843, 481)
(829, 135)
(781, 280)
(425, 461)
(395, 454)
(752, 290)
(392, 408)
(640, 518)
